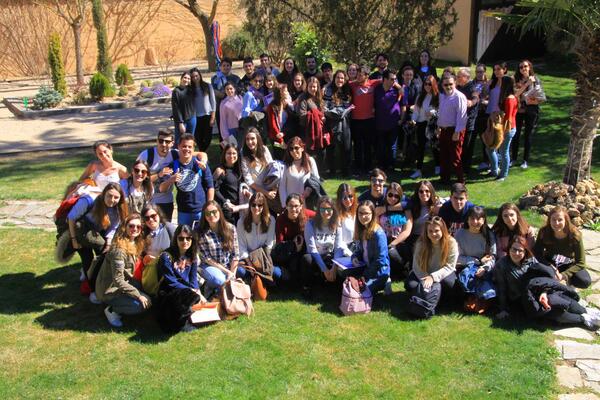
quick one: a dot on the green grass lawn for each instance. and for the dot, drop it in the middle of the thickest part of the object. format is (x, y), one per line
(55, 344)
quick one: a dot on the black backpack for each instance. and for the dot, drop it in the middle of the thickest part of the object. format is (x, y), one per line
(150, 155)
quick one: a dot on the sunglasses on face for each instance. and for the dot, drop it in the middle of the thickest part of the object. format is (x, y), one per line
(480, 71)
(258, 206)
(296, 148)
(164, 141)
(422, 191)
(448, 85)
(259, 81)
(377, 180)
(184, 239)
(212, 213)
(134, 226)
(393, 195)
(427, 84)
(152, 216)
(517, 250)
(326, 209)
(347, 198)
(140, 171)
(523, 66)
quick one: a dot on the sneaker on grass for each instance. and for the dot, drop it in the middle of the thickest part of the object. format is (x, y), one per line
(524, 165)
(388, 287)
(113, 318)
(94, 299)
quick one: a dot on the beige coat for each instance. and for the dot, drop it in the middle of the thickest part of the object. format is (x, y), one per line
(115, 276)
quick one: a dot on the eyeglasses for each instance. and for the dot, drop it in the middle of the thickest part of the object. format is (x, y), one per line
(346, 198)
(164, 141)
(151, 216)
(212, 213)
(326, 209)
(377, 180)
(134, 226)
(259, 206)
(517, 250)
(448, 85)
(423, 191)
(184, 238)
(394, 195)
(296, 148)
(427, 84)
(140, 171)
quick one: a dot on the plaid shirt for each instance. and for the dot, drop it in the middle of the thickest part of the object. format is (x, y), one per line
(211, 247)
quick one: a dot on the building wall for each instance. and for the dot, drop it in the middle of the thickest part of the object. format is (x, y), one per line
(457, 49)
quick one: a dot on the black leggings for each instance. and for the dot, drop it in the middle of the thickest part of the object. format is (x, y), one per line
(565, 310)
(581, 279)
(530, 119)
(362, 142)
(421, 143)
(203, 134)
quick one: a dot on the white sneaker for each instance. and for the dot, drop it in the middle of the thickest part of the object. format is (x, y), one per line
(524, 165)
(188, 327)
(113, 318)
(437, 170)
(593, 312)
(510, 165)
(82, 275)
(388, 287)
(94, 299)
(416, 174)
(483, 166)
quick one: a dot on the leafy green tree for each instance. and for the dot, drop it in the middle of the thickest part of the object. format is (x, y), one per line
(581, 19)
(57, 66)
(104, 63)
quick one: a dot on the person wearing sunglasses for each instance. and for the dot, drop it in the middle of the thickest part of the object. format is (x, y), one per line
(158, 233)
(452, 122)
(376, 193)
(299, 167)
(424, 203)
(138, 188)
(116, 285)
(323, 238)
(218, 247)
(397, 225)
(257, 231)
(424, 117)
(179, 288)
(205, 105)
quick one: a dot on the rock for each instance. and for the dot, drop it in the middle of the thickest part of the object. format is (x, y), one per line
(547, 208)
(578, 396)
(574, 333)
(594, 275)
(595, 386)
(574, 212)
(577, 221)
(529, 201)
(573, 350)
(590, 369)
(593, 299)
(569, 376)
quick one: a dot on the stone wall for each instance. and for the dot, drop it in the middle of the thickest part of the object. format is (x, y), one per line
(172, 31)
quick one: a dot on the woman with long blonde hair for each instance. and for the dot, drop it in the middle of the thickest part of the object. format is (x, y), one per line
(115, 285)
(434, 265)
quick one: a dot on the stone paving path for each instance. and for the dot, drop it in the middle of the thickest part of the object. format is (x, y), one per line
(578, 367)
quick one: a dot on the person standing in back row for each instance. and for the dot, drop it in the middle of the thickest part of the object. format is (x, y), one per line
(452, 121)
(205, 105)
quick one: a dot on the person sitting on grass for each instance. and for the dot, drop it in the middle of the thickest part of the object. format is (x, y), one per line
(105, 169)
(179, 289)
(157, 232)
(138, 188)
(346, 204)
(230, 190)
(115, 285)
(218, 247)
(454, 211)
(372, 249)
(434, 265)
(193, 180)
(510, 223)
(559, 244)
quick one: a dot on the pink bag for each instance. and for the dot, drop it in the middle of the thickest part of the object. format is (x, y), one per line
(356, 297)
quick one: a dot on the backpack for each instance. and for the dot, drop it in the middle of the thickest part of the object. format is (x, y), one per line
(236, 298)
(420, 308)
(493, 136)
(356, 297)
(150, 155)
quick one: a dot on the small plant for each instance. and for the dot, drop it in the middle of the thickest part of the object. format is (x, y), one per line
(81, 97)
(158, 89)
(100, 87)
(123, 75)
(123, 91)
(46, 97)
(172, 81)
(593, 225)
(307, 43)
(240, 44)
(57, 67)
(146, 83)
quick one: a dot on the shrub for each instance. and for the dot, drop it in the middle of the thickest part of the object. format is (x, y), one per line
(145, 83)
(57, 67)
(46, 97)
(81, 97)
(103, 64)
(239, 45)
(158, 89)
(123, 75)
(307, 43)
(172, 81)
(123, 91)
(100, 87)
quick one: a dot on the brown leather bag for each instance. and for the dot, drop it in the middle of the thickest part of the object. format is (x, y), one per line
(236, 298)
(493, 136)
(258, 288)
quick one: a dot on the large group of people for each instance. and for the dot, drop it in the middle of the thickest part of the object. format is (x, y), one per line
(263, 212)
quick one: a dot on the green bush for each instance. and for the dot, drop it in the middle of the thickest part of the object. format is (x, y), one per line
(81, 97)
(103, 63)
(146, 83)
(46, 97)
(57, 67)
(100, 87)
(239, 45)
(172, 81)
(123, 90)
(123, 75)
(307, 43)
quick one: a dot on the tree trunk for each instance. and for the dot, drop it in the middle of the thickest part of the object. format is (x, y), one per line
(210, 48)
(586, 110)
(76, 27)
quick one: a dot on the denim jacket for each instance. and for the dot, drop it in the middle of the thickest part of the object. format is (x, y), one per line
(378, 258)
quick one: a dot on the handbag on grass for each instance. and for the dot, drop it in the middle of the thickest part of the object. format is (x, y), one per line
(356, 297)
(236, 298)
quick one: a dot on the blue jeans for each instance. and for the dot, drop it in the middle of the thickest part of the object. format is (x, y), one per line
(214, 277)
(190, 127)
(502, 155)
(243, 273)
(184, 218)
(126, 305)
(377, 284)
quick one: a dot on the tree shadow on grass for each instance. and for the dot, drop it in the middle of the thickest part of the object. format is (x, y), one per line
(56, 295)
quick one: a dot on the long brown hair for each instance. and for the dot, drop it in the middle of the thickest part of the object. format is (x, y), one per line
(265, 216)
(342, 211)
(318, 97)
(501, 229)
(123, 241)
(289, 160)
(302, 214)
(100, 210)
(427, 246)
(362, 232)
(259, 153)
(340, 95)
(435, 92)
(146, 183)
(518, 75)
(416, 202)
(318, 219)
(224, 229)
(523, 242)
(546, 233)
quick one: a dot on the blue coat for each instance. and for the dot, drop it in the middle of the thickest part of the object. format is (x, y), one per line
(379, 259)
